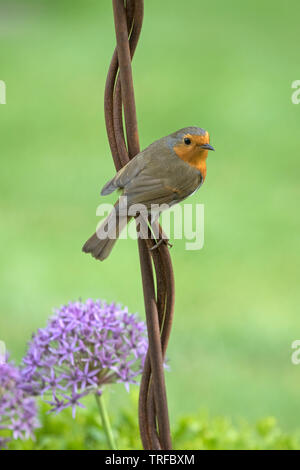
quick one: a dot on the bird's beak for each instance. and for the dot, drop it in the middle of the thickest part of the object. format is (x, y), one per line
(207, 147)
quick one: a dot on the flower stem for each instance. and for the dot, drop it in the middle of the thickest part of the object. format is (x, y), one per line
(106, 423)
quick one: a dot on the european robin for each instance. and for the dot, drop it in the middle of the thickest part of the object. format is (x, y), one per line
(166, 172)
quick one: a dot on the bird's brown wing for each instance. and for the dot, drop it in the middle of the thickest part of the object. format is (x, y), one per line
(125, 175)
(155, 176)
(147, 189)
(154, 157)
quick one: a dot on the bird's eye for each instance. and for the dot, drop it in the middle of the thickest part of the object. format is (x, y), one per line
(187, 141)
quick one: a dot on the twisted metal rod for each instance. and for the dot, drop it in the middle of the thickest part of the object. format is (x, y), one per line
(159, 305)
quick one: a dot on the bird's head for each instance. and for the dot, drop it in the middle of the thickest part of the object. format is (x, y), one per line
(191, 144)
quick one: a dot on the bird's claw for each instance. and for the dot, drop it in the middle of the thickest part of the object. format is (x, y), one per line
(162, 240)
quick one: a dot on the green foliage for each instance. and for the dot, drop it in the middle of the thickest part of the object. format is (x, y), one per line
(61, 432)
(202, 432)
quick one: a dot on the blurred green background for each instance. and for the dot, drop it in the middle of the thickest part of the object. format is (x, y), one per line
(224, 66)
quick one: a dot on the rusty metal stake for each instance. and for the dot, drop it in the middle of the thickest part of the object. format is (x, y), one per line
(159, 303)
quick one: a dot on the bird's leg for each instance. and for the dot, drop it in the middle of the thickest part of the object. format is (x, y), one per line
(160, 241)
(158, 235)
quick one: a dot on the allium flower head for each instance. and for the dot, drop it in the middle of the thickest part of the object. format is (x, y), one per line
(84, 347)
(18, 414)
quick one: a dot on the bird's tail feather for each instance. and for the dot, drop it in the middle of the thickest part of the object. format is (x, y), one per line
(102, 242)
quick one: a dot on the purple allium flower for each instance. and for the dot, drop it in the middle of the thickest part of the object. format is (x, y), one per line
(18, 414)
(84, 347)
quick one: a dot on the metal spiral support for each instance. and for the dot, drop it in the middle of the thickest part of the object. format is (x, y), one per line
(159, 300)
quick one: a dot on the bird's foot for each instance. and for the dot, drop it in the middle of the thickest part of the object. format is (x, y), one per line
(160, 242)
